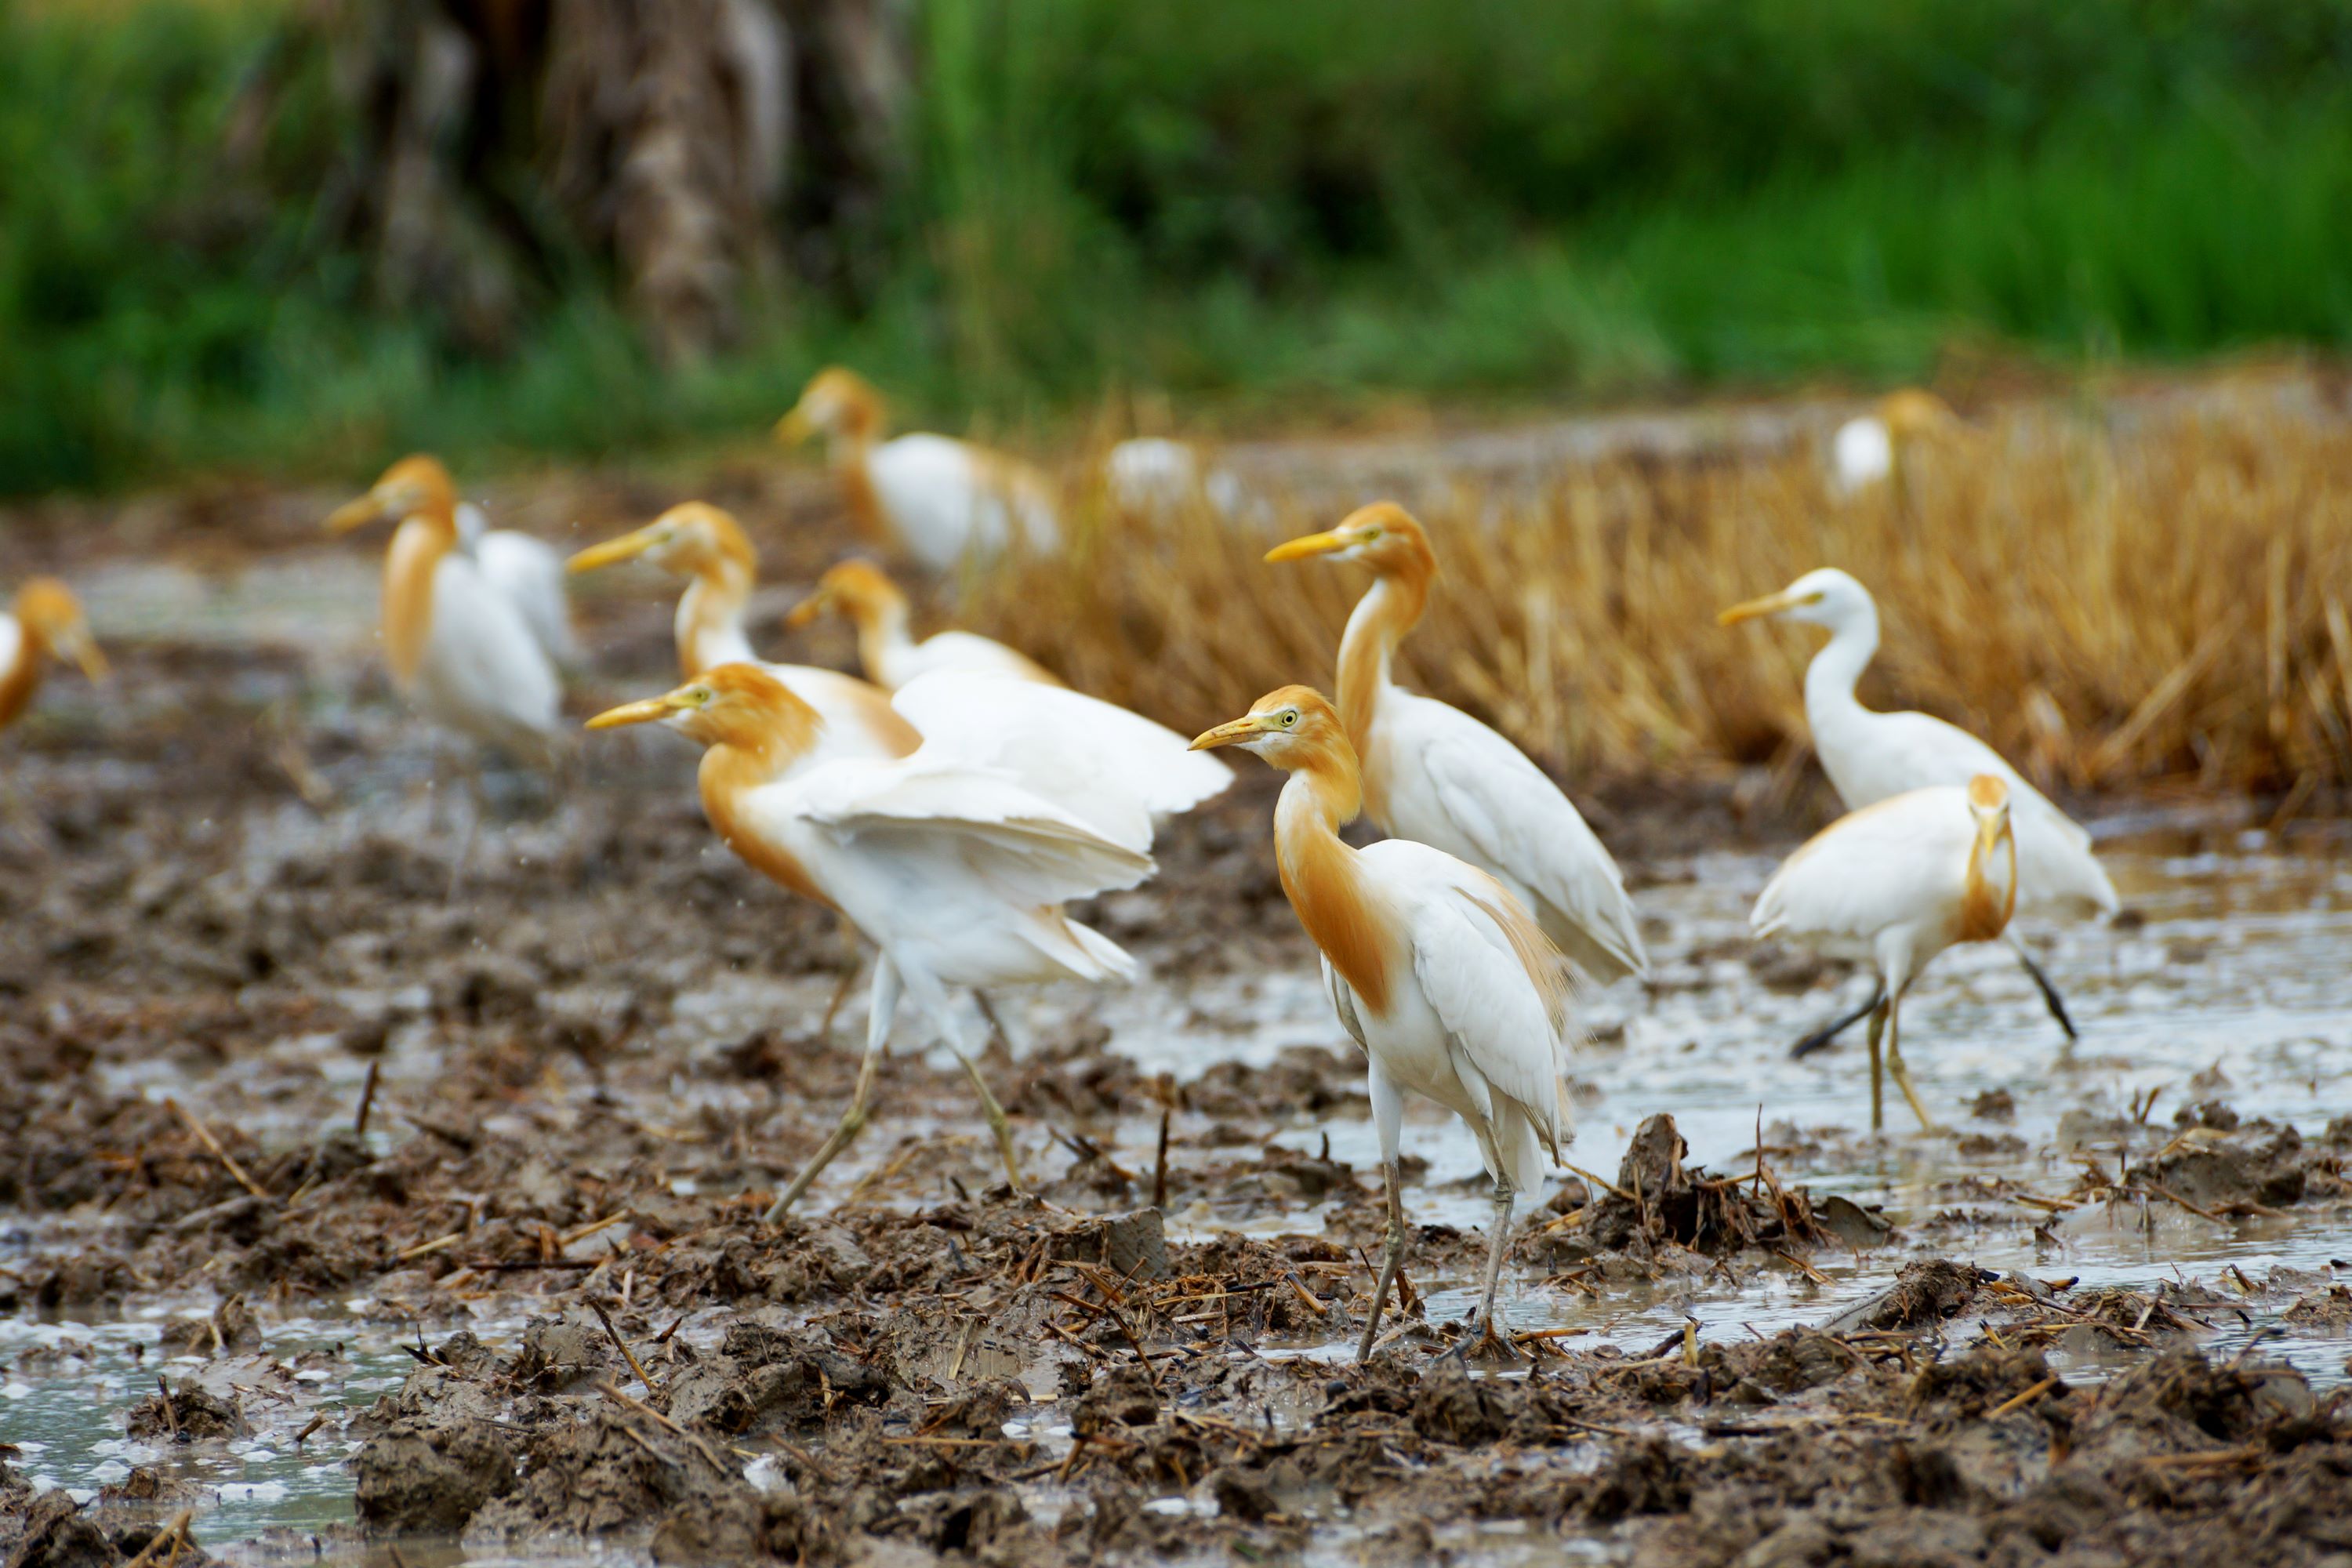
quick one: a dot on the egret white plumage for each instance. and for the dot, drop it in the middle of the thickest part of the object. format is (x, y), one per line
(936, 497)
(1911, 875)
(1871, 756)
(44, 621)
(1865, 449)
(1433, 773)
(1442, 975)
(463, 652)
(527, 570)
(1150, 473)
(707, 547)
(878, 609)
(954, 868)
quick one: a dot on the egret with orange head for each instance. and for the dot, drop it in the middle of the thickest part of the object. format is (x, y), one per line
(936, 497)
(44, 621)
(1433, 773)
(464, 652)
(1442, 975)
(1911, 876)
(1868, 449)
(956, 870)
(878, 609)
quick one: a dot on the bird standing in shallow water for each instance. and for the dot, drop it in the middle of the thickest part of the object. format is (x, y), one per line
(463, 652)
(44, 621)
(955, 869)
(1440, 974)
(877, 607)
(936, 497)
(1870, 757)
(1912, 876)
(1433, 773)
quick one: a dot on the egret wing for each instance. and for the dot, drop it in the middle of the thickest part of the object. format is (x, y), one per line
(1518, 824)
(531, 574)
(1871, 869)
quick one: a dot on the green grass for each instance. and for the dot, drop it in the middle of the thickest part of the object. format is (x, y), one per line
(1285, 205)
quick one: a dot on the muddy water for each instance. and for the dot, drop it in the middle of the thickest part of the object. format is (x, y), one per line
(2226, 985)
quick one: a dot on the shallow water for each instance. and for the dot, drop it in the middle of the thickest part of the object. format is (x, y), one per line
(2232, 988)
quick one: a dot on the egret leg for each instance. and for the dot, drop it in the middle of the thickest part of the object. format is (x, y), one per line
(1877, 1028)
(2050, 997)
(998, 1123)
(1388, 1259)
(853, 1120)
(1901, 1073)
(1839, 1024)
(995, 1024)
(1505, 1195)
(848, 976)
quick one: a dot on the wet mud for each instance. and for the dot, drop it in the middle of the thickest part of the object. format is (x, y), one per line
(276, 1089)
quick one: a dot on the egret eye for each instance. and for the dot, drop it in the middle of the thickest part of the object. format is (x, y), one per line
(1289, 717)
(1369, 535)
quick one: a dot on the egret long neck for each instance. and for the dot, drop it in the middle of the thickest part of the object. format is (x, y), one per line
(710, 617)
(1835, 714)
(1986, 906)
(1324, 881)
(748, 755)
(1368, 652)
(850, 452)
(20, 667)
(417, 547)
(883, 638)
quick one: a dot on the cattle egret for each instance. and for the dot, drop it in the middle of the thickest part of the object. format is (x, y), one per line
(877, 607)
(1911, 875)
(44, 622)
(528, 570)
(1870, 757)
(1433, 773)
(465, 654)
(954, 868)
(709, 549)
(1443, 976)
(1864, 451)
(935, 497)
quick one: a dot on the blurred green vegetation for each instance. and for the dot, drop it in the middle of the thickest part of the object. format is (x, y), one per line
(1313, 200)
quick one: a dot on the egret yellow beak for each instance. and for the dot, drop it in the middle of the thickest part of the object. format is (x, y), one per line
(1311, 544)
(357, 513)
(1240, 729)
(794, 428)
(613, 551)
(651, 711)
(84, 650)
(809, 609)
(1770, 605)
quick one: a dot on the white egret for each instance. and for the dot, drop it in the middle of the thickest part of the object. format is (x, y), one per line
(44, 621)
(1865, 449)
(527, 570)
(1433, 773)
(936, 497)
(1439, 971)
(461, 651)
(954, 868)
(1871, 756)
(1911, 875)
(878, 609)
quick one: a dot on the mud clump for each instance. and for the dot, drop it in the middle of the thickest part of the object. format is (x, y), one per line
(1925, 1292)
(1659, 1201)
(2221, 1163)
(187, 1413)
(421, 1478)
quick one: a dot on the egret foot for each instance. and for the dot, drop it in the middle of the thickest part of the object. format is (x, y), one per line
(1902, 1076)
(1497, 1245)
(1389, 1261)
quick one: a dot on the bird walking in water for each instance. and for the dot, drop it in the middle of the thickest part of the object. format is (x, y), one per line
(44, 621)
(878, 609)
(1433, 773)
(1871, 756)
(1443, 976)
(936, 497)
(463, 651)
(1911, 876)
(709, 549)
(955, 870)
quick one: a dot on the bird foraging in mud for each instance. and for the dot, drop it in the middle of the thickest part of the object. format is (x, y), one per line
(1871, 756)
(44, 621)
(1433, 773)
(465, 649)
(877, 607)
(1911, 876)
(954, 868)
(936, 497)
(1442, 975)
